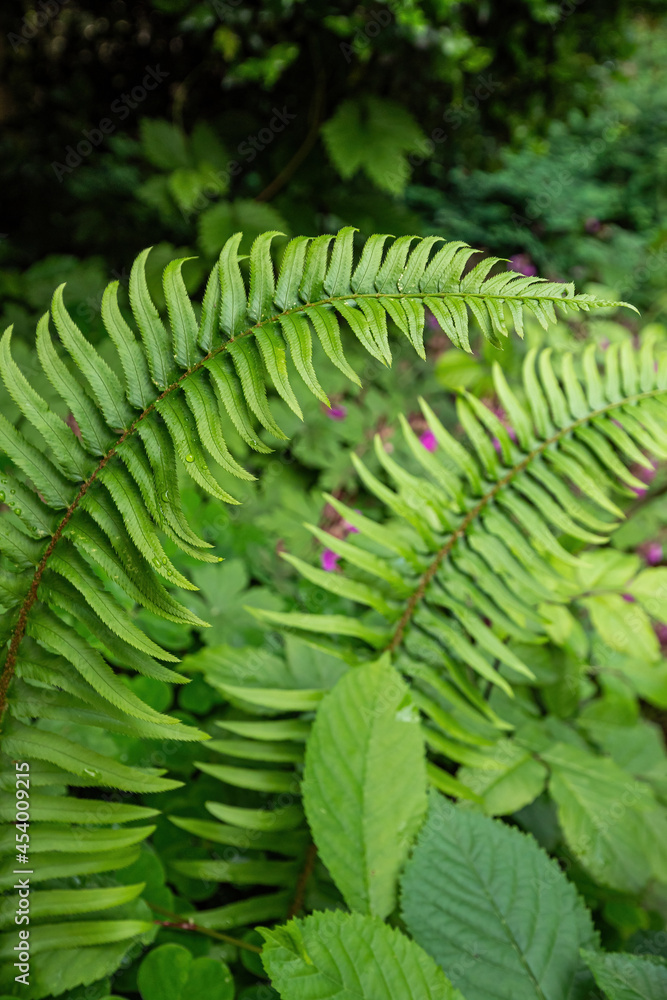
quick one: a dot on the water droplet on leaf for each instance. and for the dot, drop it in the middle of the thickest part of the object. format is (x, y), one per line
(189, 458)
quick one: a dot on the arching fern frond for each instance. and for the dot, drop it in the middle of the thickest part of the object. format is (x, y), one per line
(91, 499)
(485, 540)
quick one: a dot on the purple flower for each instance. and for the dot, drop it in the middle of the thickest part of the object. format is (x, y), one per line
(652, 553)
(429, 441)
(497, 445)
(592, 225)
(350, 528)
(661, 632)
(645, 474)
(502, 417)
(629, 598)
(329, 560)
(337, 412)
(431, 321)
(522, 263)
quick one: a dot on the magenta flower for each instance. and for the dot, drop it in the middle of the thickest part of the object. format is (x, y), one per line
(629, 598)
(350, 529)
(646, 475)
(522, 263)
(661, 632)
(431, 321)
(337, 412)
(429, 441)
(329, 560)
(502, 417)
(652, 553)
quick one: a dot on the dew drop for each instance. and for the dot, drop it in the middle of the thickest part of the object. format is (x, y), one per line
(12, 491)
(165, 495)
(11, 502)
(156, 561)
(189, 458)
(2, 496)
(220, 559)
(18, 510)
(164, 561)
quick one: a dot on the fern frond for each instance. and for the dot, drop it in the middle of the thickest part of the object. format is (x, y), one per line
(487, 538)
(93, 499)
(258, 761)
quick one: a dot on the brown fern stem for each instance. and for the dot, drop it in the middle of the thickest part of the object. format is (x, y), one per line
(302, 881)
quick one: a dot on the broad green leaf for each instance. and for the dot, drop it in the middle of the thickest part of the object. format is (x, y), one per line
(650, 589)
(612, 823)
(494, 910)
(171, 973)
(628, 977)
(507, 780)
(623, 627)
(346, 956)
(365, 784)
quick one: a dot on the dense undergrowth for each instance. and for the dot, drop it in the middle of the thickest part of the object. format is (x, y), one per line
(484, 621)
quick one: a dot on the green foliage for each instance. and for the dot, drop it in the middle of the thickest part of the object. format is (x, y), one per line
(493, 910)
(481, 598)
(628, 977)
(342, 955)
(374, 136)
(365, 727)
(171, 973)
(584, 200)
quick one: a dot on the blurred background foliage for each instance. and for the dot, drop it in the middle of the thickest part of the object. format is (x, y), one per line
(530, 128)
(534, 130)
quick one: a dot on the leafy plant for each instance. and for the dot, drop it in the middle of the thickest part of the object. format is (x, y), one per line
(478, 567)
